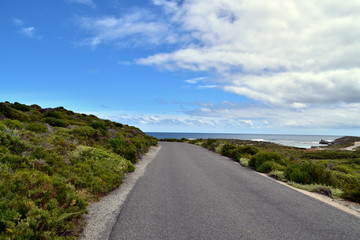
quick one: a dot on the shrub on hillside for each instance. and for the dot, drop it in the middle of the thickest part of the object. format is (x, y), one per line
(124, 148)
(13, 124)
(308, 173)
(8, 112)
(352, 193)
(53, 114)
(36, 206)
(269, 166)
(21, 107)
(37, 127)
(13, 142)
(261, 157)
(98, 170)
(55, 122)
(235, 152)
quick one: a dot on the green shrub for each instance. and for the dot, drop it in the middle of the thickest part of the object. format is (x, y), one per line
(33, 209)
(98, 170)
(53, 114)
(99, 126)
(244, 161)
(86, 131)
(269, 166)
(261, 157)
(235, 152)
(13, 142)
(308, 173)
(37, 127)
(55, 122)
(352, 193)
(278, 175)
(13, 124)
(21, 107)
(124, 148)
(211, 144)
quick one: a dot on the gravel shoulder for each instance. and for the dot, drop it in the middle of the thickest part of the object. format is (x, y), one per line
(103, 214)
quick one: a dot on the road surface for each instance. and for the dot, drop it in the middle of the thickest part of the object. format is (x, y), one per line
(188, 192)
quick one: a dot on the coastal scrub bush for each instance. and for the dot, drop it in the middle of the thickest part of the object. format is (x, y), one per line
(211, 144)
(13, 142)
(13, 124)
(55, 122)
(278, 175)
(308, 173)
(98, 125)
(85, 132)
(21, 107)
(235, 152)
(53, 114)
(352, 193)
(37, 127)
(261, 157)
(8, 112)
(269, 166)
(97, 169)
(33, 208)
(124, 148)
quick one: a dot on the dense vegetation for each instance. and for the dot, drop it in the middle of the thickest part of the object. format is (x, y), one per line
(328, 170)
(53, 162)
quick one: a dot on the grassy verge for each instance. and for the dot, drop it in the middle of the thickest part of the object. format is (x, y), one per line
(329, 171)
(53, 162)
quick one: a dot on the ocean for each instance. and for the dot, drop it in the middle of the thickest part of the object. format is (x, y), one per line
(301, 141)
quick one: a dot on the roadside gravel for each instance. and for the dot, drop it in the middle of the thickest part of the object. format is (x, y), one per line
(103, 214)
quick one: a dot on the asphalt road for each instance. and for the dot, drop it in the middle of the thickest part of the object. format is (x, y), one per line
(188, 192)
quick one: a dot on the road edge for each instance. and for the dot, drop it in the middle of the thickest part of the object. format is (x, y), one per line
(317, 196)
(102, 215)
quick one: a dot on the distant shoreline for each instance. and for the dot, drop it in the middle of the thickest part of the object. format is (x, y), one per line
(293, 140)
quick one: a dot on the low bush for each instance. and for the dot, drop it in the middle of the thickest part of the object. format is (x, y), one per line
(92, 168)
(352, 193)
(319, 188)
(55, 122)
(308, 173)
(53, 114)
(13, 124)
(269, 166)
(37, 127)
(124, 148)
(235, 152)
(261, 157)
(21, 107)
(278, 175)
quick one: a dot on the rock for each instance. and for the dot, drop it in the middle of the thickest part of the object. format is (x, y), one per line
(322, 141)
(324, 191)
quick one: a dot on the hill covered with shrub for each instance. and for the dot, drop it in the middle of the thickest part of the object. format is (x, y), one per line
(53, 162)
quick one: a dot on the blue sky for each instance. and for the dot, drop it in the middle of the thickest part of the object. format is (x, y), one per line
(231, 66)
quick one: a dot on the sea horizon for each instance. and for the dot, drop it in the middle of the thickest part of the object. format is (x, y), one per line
(294, 140)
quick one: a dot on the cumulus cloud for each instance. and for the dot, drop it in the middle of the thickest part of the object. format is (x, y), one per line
(138, 27)
(293, 53)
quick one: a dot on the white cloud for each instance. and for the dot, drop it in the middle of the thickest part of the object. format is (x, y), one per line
(88, 3)
(293, 53)
(28, 31)
(138, 27)
(195, 80)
